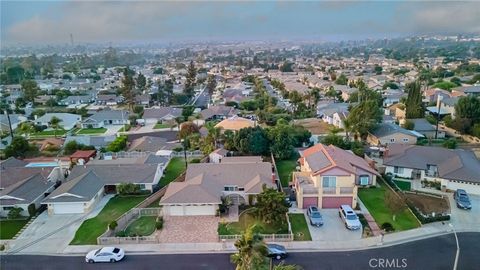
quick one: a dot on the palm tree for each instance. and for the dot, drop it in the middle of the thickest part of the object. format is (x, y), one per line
(26, 128)
(251, 252)
(55, 124)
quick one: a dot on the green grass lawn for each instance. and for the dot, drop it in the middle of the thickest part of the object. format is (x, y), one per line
(143, 226)
(59, 132)
(174, 168)
(246, 220)
(285, 169)
(299, 227)
(128, 127)
(403, 185)
(374, 200)
(158, 126)
(9, 228)
(92, 228)
(92, 131)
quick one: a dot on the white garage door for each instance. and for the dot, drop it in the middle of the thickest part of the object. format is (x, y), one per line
(199, 210)
(175, 210)
(69, 208)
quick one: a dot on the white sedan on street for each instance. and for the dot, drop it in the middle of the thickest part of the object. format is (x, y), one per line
(106, 254)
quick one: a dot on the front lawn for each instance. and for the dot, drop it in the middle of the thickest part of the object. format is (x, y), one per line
(374, 200)
(403, 185)
(143, 226)
(59, 132)
(175, 167)
(9, 228)
(158, 126)
(125, 128)
(299, 227)
(92, 131)
(92, 228)
(285, 169)
(245, 220)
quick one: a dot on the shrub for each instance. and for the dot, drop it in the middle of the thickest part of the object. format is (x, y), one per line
(128, 189)
(178, 149)
(32, 209)
(2, 247)
(113, 225)
(387, 227)
(159, 223)
(15, 213)
(121, 234)
(450, 144)
(195, 160)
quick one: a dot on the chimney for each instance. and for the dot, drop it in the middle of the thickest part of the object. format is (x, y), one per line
(273, 178)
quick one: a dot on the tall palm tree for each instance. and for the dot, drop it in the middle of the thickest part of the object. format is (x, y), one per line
(251, 252)
(55, 124)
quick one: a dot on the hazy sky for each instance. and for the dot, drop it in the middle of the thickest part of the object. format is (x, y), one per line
(45, 22)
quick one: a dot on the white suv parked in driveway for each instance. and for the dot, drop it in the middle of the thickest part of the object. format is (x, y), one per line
(349, 217)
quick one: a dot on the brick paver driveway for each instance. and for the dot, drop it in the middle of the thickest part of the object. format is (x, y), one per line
(190, 229)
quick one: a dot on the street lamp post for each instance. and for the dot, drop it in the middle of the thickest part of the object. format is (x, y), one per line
(458, 247)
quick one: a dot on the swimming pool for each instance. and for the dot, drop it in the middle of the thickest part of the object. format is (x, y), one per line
(42, 164)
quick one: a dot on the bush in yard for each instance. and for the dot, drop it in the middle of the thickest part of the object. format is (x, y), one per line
(159, 223)
(195, 160)
(113, 225)
(177, 149)
(271, 206)
(15, 213)
(32, 210)
(121, 234)
(2, 247)
(128, 188)
(119, 144)
(387, 227)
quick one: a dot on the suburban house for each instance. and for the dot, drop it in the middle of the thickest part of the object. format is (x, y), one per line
(81, 157)
(68, 120)
(15, 120)
(422, 126)
(13, 171)
(31, 190)
(218, 112)
(151, 144)
(77, 196)
(472, 90)
(327, 110)
(75, 100)
(235, 123)
(105, 118)
(95, 141)
(329, 177)
(206, 183)
(143, 100)
(387, 133)
(445, 106)
(109, 100)
(155, 115)
(452, 168)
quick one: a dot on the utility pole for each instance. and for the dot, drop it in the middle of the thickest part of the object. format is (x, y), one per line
(439, 105)
(9, 123)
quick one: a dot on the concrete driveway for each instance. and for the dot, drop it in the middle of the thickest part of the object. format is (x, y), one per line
(333, 228)
(465, 219)
(52, 234)
(189, 229)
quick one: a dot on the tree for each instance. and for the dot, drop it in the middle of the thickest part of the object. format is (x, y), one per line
(30, 90)
(119, 144)
(55, 124)
(190, 80)
(450, 143)
(141, 82)
(282, 144)
(187, 129)
(468, 107)
(342, 79)
(128, 88)
(378, 69)
(18, 148)
(187, 111)
(211, 83)
(414, 105)
(364, 117)
(251, 251)
(26, 128)
(32, 210)
(395, 203)
(15, 213)
(409, 124)
(296, 99)
(252, 141)
(271, 206)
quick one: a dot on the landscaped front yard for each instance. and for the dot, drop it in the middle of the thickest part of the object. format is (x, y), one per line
(143, 226)
(285, 169)
(47, 133)
(403, 185)
(245, 220)
(374, 200)
(158, 126)
(92, 131)
(92, 228)
(9, 228)
(299, 227)
(175, 167)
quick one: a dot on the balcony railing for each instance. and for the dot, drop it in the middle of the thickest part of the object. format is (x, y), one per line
(329, 190)
(309, 190)
(346, 190)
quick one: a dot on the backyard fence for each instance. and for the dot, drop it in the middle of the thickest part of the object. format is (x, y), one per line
(135, 154)
(123, 222)
(267, 237)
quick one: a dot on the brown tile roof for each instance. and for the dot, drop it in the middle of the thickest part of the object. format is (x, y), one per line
(235, 123)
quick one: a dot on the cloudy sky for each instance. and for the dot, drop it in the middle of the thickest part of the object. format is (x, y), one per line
(45, 22)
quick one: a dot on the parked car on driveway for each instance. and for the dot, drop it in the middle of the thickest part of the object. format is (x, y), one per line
(462, 199)
(106, 254)
(276, 251)
(314, 216)
(351, 220)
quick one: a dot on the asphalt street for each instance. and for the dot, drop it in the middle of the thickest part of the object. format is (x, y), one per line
(428, 254)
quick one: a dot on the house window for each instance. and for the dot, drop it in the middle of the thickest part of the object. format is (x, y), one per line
(405, 139)
(142, 186)
(398, 170)
(392, 140)
(364, 180)
(241, 189)
(329, 181)
(7, 208)
(229, 188)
